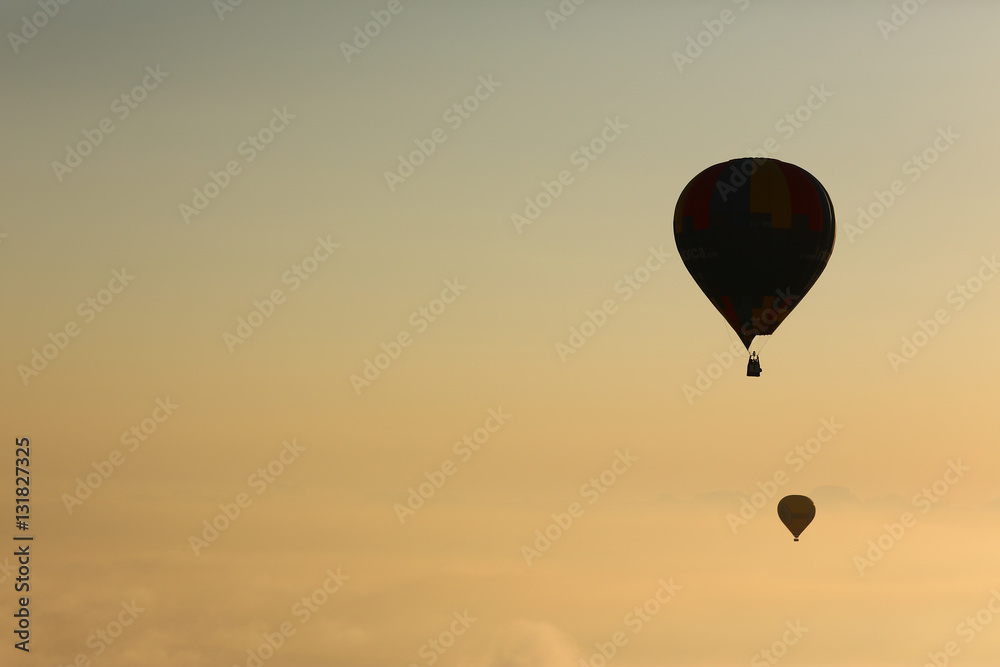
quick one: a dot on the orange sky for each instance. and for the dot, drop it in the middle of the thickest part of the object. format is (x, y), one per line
(295, 323)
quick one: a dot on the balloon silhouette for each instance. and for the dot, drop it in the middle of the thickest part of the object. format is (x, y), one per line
(755, 234)
(796, 512)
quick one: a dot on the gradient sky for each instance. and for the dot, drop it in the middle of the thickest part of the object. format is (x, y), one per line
(320, 190)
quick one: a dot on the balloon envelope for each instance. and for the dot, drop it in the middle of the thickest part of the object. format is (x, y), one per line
(796, 512)
(755, 234)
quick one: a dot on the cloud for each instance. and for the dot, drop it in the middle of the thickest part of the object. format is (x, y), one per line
(834, 496)
(531, 644)
(719, 497)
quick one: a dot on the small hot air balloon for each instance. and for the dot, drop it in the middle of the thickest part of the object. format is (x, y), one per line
(755, 234)
(796, 512)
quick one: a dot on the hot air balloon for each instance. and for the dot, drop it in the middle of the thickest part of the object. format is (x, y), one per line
(755, 234)
(796, 512)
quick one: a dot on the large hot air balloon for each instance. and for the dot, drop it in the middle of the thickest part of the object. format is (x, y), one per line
(755, 234)
(796, 512)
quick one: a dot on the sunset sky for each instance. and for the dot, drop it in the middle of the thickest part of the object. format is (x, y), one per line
(321, 288)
